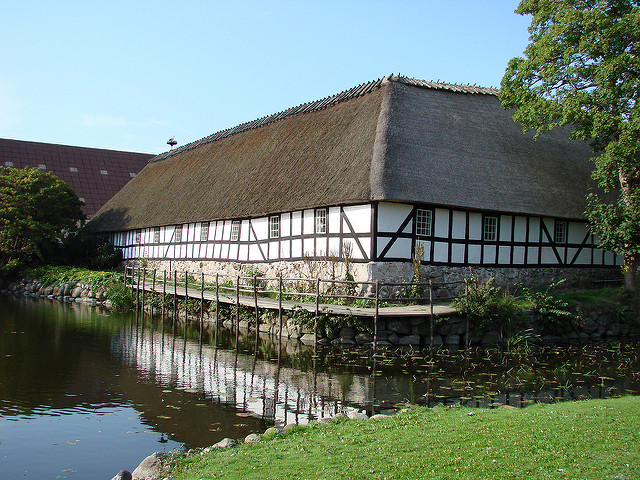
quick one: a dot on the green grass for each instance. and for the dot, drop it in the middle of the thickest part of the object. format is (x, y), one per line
(597, 297)
(577, 440)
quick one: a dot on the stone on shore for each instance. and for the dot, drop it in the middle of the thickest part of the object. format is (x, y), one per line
(150, 468)
(123, 475)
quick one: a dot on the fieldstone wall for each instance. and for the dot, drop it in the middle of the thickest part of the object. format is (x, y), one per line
(450, 331)
(66, 292)
(449, 280)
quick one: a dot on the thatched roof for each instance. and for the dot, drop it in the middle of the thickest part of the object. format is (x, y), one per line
(396, 139)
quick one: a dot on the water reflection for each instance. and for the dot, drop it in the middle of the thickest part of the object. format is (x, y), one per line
(175, 384)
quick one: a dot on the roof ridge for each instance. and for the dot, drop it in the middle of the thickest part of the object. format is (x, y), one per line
(438, 85)
(357, 91)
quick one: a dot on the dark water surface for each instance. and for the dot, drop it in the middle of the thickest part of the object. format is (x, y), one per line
(84, 393)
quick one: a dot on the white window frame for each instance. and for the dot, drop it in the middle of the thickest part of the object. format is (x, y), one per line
(235, 230)
(156, 234)
(560, 231)
(137, 237)
(424, 222)
(321, 220)
(177, 234)
(274, 227)
(204, 231)
(490, 229)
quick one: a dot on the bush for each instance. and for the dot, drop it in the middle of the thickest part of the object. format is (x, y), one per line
(120, 296)
(98, 281)
(487, 307)
(551, 312)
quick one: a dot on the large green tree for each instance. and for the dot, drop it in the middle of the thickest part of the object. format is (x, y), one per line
(36, 210)
(581, 69)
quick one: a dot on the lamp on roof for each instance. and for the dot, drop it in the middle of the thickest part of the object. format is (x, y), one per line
(172, 142)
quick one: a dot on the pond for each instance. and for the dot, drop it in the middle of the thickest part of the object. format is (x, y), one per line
(85, 393)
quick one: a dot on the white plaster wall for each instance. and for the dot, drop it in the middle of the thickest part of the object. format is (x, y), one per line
(391, 216)
(459, 227)
(520, 229)
(441, 224)
(360, 218)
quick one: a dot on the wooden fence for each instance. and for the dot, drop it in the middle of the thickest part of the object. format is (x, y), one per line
(316, 295)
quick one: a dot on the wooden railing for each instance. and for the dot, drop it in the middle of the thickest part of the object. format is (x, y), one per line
(315, 295)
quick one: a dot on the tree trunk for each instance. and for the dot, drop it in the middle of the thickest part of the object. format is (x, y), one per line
(630, 273)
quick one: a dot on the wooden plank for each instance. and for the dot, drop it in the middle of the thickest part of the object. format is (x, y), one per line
(274, 304)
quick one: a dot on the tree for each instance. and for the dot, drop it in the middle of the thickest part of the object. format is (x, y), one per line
(36, 210)
(581, 70)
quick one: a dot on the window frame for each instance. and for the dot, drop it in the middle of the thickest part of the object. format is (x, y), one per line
(424, 222)
(156, 234)
(137, 237)
(274, 226)
(560, 230)
(490, 228)
(321, 220)
(177, 234)
(235, 230)
(204, 231)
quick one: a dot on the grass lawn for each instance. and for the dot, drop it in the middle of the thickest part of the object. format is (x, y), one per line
(577, 440)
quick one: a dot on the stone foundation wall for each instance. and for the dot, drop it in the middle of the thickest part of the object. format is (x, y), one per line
(593, 324)
(448, 280)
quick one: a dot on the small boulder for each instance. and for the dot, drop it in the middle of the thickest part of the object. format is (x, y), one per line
(123, 475)
(252, 438)
(357, 415)
(150, 468)
(225, 443)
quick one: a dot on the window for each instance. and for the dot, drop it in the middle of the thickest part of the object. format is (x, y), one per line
(42, 166)
(321, 220)
(132, 175)
(235, 230)
(274, 227)
(73, 169)
(104, 172)
(156, 235)
(560, 232)
(423, 222)
(490, 229)
(177, 234)
(204, 231)
(8, 164)
(137, 237)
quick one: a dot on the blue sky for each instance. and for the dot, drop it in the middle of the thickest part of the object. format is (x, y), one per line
(129, 75)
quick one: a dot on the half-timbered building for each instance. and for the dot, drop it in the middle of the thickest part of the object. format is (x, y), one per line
(366, 175)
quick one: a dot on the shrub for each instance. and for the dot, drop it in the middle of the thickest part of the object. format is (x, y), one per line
(120, 296)
(487, 307)
(551, 312)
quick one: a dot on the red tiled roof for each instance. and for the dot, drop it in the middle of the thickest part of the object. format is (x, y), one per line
(95, 174)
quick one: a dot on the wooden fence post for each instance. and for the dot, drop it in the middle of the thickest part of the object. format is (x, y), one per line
(153, 290)
(237, 309)
(132, 284)
(186, 296)
(201, 301)
(215, 341)
(144, 278)
(175, 294)
(375, 318)
(138, 290)
(255, 300)
(315, 321)
(280, 303)
(164, 290)
(466, 292)
(430, 313)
